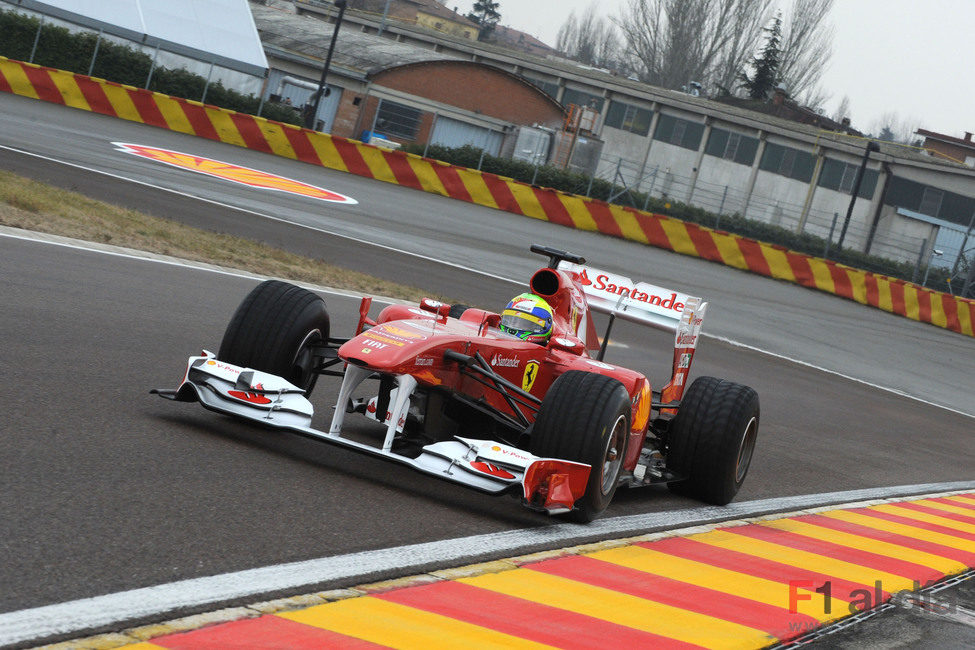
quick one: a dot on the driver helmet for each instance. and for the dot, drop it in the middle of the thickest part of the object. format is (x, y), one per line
(528, 317)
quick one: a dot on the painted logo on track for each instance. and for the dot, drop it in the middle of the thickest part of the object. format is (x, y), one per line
(234, 173)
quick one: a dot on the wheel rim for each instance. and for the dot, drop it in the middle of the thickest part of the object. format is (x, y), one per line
(745, 449)
(613, 455)
(304, 361)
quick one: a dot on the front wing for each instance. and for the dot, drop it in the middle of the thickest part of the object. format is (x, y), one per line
(548, 484)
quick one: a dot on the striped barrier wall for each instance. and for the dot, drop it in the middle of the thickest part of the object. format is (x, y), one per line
(187, 116)
(745, 584)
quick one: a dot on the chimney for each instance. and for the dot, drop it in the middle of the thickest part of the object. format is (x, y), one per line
(968, 136)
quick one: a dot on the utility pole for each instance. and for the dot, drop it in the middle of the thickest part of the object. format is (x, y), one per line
(310, 117)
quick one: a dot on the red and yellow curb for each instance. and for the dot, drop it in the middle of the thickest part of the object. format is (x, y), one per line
(187, 116)
(745, 584)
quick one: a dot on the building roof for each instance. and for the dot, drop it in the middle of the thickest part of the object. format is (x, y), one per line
(434, 8)
(511, 37)
(966, 143)
(221, 31)
(357, 52)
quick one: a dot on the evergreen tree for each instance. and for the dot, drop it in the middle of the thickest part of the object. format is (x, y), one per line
(766, 64)
(485, 13)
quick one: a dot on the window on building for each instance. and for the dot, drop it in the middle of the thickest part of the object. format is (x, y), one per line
(787, 161)
(732, 146)
(679, 132)
(841, 176)
(582, 98)
(397, 120)
(931, 201)
(550, 88)
(627, 117)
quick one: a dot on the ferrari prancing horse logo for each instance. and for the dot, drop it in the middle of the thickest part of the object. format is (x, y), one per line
(528, 380)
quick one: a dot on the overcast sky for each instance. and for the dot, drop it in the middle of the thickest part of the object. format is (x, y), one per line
(889, 56)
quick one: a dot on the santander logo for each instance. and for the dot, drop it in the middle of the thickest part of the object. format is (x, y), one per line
(505, 362)
(605, 284)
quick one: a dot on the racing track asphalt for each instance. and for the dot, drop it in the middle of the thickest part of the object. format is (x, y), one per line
(106, 488)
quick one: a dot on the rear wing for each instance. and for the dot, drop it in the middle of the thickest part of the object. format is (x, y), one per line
(641, 302)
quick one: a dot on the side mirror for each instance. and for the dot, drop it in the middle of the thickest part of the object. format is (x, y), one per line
(435, 307)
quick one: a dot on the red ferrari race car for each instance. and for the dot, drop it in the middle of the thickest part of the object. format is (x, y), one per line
(520, 402)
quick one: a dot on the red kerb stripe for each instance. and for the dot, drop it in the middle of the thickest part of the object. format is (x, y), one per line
(250, 132)
(350, 155)
(260, 634)
(650, 224)
(949, 552)
(501, 193)
(755, 566)
(523, 618)
(704, 243)
(400, 166)
(897, 298)
(40, 79)
(954, 516)
(94, 94)
(754, 259)
(605, 221)
(199, 120)
(451, 182)
(841, 281)
(149, 112)
(736, 609)
(934, 528)
(553, 207)
(300, 143)
(908, 570)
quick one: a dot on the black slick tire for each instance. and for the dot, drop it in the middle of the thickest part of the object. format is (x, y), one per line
(712, 438)
(585, 417)
(274, 330)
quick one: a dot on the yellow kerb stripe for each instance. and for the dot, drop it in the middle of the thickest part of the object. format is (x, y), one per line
(887, 549)
(70, 92)
(376, 162)
(926, 518)
(821, 275)
(902, 529)
(778, 264)
(725, 581)
(17, 78)
(225, 127)
(527, 200)
(629, 224)
(678, 236)
(731, 253)
(427, 175)
(947, 507)
(121, 101)
(476, 187)
(622, 609)
(276, 139)
(911, 307)
(578, 212)
(399, 626)
(963, 498)
(803, 559)
(326, 151)
(172, 111)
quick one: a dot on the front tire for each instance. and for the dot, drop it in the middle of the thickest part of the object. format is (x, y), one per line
(275, 329)
(585, 417)
(712, 439)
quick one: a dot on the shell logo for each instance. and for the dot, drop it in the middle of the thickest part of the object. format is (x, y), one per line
(234, 173)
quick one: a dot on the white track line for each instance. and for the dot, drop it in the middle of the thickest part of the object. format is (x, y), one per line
(78, 616)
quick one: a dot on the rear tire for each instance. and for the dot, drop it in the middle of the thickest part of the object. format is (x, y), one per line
(585, 417)
(275, 329)
(712, 438)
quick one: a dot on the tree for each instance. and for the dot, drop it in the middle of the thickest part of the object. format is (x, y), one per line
(591, 40)
(675, 42)
(891, 127)
(485, 13)
(765, 77)
(807, 46)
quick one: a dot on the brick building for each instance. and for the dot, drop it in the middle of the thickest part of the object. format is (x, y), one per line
(960, 150)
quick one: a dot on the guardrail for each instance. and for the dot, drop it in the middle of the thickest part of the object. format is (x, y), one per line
(187, 116)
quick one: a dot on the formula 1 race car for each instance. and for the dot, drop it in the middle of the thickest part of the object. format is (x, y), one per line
(465, 401)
